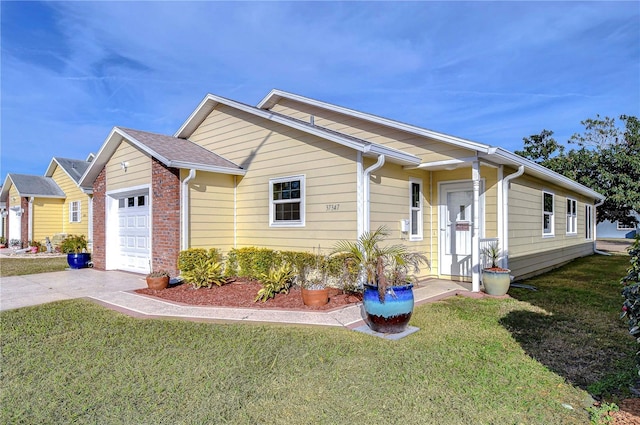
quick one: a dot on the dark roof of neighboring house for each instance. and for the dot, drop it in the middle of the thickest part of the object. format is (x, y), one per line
(37, 186)
(74, 167)
(179, 152)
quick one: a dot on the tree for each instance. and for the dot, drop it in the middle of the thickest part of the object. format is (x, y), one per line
(606, 160)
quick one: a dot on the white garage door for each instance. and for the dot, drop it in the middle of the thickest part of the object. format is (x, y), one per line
(133, 233)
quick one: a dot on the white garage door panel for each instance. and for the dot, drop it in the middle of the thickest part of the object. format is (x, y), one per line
(133, 234)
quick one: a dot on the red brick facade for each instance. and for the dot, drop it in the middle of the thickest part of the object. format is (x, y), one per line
(99, 255)
(24, 222)
(165, 220)
(165, 240)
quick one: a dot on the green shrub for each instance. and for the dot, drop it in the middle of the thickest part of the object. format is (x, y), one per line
(275, 281)
(201, 268)
(205, 273)
(187, 259)
(631, 291)
(252, 262)
(74, 244)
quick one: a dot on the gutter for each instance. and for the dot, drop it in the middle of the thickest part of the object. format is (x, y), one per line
(184, 209)
(505, 215)
(367, 207)
(595, 227)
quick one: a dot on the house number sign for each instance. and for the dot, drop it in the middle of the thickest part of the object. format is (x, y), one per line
(333, 207)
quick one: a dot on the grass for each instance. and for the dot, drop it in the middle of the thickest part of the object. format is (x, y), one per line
(473, 361)
(21, 266)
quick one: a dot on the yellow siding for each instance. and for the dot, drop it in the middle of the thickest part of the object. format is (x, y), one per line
(390, 203)
(211, 212)
(427, 149)
(73, 193)
(270, 150)
(138, 171)
(528, 248)
(47, 218)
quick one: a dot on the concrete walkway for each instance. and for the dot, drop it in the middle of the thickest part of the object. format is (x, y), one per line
(113, 289)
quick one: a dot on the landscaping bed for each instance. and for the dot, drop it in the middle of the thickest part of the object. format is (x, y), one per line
(242, 293)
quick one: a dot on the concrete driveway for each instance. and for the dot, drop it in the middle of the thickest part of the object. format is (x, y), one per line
(34, 289)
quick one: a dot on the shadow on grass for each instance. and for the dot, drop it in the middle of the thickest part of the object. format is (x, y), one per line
(573, 325)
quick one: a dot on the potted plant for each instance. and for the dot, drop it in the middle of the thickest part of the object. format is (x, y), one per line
(158, 280)
(313, 284)
(384, 275)
(495, 279)
(75, 246)
(3, 242)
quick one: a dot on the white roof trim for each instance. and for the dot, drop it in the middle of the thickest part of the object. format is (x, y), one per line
(211, 101)
(200, 167)
(276, 94)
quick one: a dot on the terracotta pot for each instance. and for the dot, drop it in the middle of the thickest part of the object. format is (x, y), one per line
(315, 297)
(158, 283)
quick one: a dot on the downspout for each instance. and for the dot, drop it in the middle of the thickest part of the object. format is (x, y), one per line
(595, 227)
(505, 215)
(185, 209)
(235, 211)
(359, 195)
(431, 216)
(367, 207)
(30, 222)
(475, 236)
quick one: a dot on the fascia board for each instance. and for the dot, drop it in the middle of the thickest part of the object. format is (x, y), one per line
(36, 195)
(6, 187)
(399, 156)
(102, 157)
(547, 173)
(213, 169)
(463, 143)
(52, 167)
(197, 116)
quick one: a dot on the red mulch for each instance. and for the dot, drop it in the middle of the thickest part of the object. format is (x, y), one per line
(629, 413)
(241, 293)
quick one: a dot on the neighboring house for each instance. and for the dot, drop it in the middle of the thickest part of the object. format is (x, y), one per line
(45, 206)
(618, 230)
(296, 173)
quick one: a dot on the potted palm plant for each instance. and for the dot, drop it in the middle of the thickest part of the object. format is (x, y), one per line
(385, 279)
(75, 246)
(495, 279)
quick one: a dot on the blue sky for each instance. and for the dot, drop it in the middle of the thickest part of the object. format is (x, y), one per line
(492, 72)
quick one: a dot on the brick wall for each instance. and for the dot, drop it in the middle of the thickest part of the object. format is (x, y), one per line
(99, 255)
(24, 222)
(165, 240)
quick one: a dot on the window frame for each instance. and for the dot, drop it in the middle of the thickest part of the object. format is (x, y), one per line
(272, 203)
(588, 222)
(419, 210)
(571, 226)
(551, 215)
(77, 211)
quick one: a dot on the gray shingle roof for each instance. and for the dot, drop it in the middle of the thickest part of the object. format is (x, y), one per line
(74, 167)
(28, 185)
(180, 150)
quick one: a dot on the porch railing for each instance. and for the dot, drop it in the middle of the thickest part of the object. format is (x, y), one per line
(485, 243)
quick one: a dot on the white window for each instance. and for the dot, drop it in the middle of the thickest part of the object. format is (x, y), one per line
(572, 216)
(286, 196)
(415, 209)
(588, 216)
(74, 212)
(547, 214)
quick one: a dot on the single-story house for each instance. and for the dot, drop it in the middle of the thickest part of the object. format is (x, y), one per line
(38, 207)
(617, 229)
(295, 173)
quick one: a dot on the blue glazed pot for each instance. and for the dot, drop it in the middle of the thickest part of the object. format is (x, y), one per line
(78, 261)
(392, 315)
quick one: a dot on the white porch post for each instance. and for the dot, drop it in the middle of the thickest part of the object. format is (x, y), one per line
(475, 235)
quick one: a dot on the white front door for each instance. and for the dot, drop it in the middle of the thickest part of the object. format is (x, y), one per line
(456, 228)
(15, 223)
(133, 233)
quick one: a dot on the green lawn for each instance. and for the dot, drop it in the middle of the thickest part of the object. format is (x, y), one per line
(473, 361)
(21, 266)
